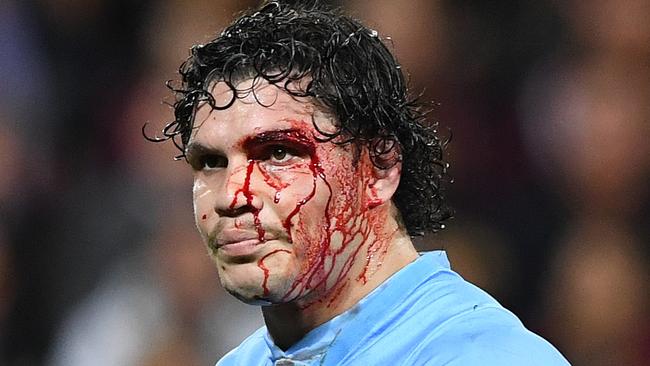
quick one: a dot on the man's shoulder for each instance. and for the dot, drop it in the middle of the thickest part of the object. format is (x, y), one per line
(486, 335)
(447, 320)
(252, 351)
(471, 328)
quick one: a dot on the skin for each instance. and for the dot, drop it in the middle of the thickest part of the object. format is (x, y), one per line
(303, 227)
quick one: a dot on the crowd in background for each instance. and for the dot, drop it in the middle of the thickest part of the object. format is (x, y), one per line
(547, 103)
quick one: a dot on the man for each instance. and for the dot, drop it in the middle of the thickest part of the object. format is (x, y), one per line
(312, 168)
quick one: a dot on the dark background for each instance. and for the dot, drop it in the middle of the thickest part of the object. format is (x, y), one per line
(547, 102)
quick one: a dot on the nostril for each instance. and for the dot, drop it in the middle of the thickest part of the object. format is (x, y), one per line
(234, 211)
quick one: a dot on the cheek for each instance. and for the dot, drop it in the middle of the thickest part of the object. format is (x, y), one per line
(347, 215)
(201, 194)
(313, 224)
(347, 181)
(286, 184)
(327, 223)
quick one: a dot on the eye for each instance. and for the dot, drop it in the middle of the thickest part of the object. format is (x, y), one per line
(211, 161)
(281, 155)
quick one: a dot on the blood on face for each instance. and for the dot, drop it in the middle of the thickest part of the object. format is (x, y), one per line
(263, 171)
(344, 217)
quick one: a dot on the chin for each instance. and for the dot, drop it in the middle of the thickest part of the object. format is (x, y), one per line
(250, 289)
(253, 295)
(248, 298)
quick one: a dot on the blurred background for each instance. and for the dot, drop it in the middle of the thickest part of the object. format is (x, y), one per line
(549, 106)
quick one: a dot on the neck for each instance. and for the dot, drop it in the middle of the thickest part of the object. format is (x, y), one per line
(375, 262)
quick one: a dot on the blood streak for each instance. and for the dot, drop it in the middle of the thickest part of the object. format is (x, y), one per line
(275, 184)
(321, 255)
(260, 263)
(345, 216)
(287, 222)
(355, 221)
(204, 217)
(245, 190)
(377, 246)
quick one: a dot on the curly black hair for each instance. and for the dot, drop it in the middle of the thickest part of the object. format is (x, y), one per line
(350, 73)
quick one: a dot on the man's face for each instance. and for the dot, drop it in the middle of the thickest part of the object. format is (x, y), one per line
(283, 215)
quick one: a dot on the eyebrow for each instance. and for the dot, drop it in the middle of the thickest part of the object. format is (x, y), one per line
(275, 135)
(197, 149)
(292, 136)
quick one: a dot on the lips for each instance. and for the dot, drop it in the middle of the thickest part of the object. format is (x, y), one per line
(238, 243)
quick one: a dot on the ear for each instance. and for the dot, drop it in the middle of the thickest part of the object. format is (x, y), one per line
(385, 179)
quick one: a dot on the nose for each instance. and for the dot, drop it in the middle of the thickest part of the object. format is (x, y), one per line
(239, 194)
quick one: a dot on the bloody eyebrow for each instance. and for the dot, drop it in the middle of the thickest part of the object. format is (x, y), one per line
(294, 136)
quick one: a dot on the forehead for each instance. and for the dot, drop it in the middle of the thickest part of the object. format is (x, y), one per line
(258, 107)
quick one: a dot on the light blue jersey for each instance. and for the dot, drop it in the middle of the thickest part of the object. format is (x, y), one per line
(425, 314)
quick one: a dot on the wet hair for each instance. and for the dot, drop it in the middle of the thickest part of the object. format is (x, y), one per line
(346, 70)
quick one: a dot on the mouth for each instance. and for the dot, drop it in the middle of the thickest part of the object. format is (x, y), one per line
(236, 243)
(242, 248)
